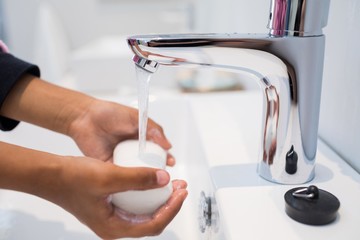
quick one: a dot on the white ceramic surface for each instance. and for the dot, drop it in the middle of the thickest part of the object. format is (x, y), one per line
(249, 206)
(215, 136)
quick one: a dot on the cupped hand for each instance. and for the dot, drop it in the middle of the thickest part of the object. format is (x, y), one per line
(87, 184)
(105, 124)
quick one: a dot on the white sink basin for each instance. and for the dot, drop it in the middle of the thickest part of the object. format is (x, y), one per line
(249, 206)
(24, 216)
(215, 139)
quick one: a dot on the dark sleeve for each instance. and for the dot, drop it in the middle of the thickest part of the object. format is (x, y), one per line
(11, 69)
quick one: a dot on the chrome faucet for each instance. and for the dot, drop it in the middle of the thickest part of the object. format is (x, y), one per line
(287, 63)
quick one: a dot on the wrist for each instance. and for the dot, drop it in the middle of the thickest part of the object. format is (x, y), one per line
(30, 171)
(78, 119)
(74, 114)
(44, 104)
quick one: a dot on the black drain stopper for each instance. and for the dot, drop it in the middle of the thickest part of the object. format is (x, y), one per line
(311, 205)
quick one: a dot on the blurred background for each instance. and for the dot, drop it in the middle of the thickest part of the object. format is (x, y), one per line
(81, 44)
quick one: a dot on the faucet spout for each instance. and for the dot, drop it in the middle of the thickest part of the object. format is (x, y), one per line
(148, 65)
(288, 68)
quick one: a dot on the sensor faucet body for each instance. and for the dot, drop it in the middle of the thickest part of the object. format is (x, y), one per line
(288, 65)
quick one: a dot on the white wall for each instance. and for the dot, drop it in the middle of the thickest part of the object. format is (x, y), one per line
(2, 33)
(86, 20)
(248, 16)
(19, 19)
(67, 38)
(340, 106)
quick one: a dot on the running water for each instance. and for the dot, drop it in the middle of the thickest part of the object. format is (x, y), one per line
(143, 78)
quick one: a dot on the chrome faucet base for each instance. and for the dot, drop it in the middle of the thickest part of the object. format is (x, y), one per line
(288, 67)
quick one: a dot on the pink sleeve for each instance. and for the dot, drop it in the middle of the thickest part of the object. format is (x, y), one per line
(3, 47)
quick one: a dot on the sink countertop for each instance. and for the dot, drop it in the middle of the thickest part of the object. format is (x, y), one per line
(251, 207)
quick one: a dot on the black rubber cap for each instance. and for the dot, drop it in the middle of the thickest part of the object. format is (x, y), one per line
(311, 205)
(291, 161)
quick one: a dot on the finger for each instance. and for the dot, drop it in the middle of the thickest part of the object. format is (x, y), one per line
(167, 212)
(179, 184)
(156, 133)
(125, 179)
(170, 160)
(162, 217)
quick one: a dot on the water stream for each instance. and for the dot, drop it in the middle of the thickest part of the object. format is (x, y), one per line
(143, 80)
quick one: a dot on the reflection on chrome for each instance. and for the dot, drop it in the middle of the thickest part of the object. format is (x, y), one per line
(287, 63)
(271, 124)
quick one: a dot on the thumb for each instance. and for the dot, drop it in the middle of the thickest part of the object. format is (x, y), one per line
(139, 178)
